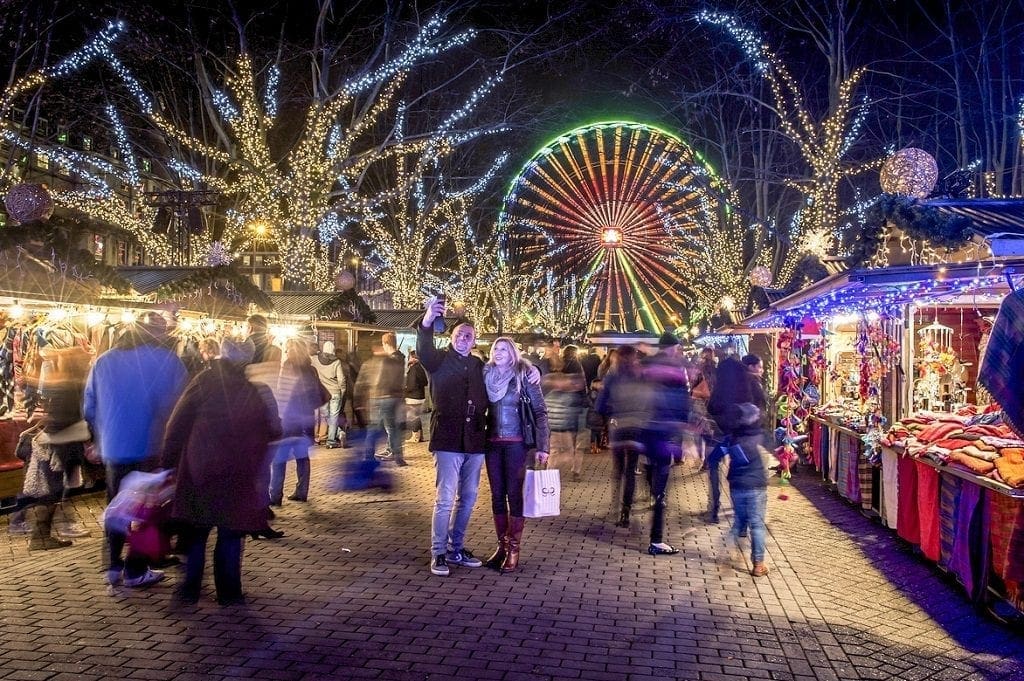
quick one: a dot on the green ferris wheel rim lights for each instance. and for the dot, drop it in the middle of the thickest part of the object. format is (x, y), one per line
(549, 147)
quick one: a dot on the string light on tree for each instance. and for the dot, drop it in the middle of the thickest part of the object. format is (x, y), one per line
(311, 192)
(823, 144)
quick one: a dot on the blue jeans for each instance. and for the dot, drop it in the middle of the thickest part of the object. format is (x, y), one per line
(290, 448)
(331, 413)
(456, 483)
(385, 415)
(713, 461)
(749, 506)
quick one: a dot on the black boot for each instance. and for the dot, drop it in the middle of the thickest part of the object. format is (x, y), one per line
(623, 517)
(498, 557)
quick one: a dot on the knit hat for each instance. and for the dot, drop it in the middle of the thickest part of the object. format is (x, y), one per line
(327, 348)
(667, 340)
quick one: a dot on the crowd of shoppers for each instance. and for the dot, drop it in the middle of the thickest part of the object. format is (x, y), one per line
(250, 409)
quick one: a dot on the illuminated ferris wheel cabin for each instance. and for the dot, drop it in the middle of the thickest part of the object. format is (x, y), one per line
(605, 208)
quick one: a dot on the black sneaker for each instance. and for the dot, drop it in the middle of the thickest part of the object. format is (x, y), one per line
(439, 566)
(465, 558)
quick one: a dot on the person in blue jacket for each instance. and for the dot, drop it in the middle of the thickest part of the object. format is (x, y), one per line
(129, 395)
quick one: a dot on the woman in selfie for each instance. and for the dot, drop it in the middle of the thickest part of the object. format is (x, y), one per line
(507, 376)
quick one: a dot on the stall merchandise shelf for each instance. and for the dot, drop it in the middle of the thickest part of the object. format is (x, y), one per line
(980, 480)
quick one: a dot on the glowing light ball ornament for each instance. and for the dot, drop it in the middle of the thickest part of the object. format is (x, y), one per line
(345, 281)
(29, 202)
(760, 276)
(910, 172)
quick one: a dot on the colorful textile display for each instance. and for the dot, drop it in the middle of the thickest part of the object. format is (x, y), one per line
(969, 558)
(1006, 529)
(1011, 467)
(928, 509)
(890, 488)
(950, 488)
(1003, 365)
(909, 524)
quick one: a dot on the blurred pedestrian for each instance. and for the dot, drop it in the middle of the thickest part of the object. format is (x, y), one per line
(590, 362)
(733, 407)
(258, 335)
(379, 394)
(299, 394)
(663, 434)
(54, 450)
(625, 400)
(209, 350)
(333, 379)
(129, 395)
(506, 376)
(217, 443)
(564, 403)
(415, 397)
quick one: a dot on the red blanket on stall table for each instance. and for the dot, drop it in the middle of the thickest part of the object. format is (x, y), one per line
(908, 524)
(928, 510)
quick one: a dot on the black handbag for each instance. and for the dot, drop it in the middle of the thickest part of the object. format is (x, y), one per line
(527, 420)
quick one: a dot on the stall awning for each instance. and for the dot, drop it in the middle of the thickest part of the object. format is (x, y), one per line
(987, 216)
(888, 289)
(299, 304)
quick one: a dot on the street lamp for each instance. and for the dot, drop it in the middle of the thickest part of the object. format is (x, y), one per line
(259, 229)
(355, 264)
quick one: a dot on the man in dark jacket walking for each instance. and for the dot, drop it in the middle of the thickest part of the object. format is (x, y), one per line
(457, 436)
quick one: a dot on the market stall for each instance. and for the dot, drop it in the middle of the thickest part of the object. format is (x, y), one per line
(42, 307)
(878, 375)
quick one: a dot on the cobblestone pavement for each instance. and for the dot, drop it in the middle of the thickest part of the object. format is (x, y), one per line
(347, 594)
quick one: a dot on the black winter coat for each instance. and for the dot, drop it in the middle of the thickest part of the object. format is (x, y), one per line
(459, 418)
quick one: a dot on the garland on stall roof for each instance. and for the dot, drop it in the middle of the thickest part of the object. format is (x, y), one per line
(917, 220)
(347, 306)
(216, 277)
(51, 244)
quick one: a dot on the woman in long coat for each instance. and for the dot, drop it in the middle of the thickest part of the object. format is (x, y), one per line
(217, 440)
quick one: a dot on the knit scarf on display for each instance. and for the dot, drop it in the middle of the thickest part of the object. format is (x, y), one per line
(497, 382)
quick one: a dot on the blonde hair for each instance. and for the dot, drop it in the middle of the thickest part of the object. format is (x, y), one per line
(519, 365)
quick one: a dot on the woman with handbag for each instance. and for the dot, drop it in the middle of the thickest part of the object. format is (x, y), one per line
(514, 396)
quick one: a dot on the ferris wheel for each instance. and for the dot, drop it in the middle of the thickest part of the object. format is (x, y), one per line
(610, 205)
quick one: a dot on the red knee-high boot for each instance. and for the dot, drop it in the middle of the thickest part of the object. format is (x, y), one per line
(497, 558)
(514, 537)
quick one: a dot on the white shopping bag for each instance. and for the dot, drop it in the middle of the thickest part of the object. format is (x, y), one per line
(542, 492)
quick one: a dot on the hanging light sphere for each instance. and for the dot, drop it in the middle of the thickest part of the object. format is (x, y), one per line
(728, 303)
(28, 202)
(760, 276)
(911, 172)
(345, 281)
